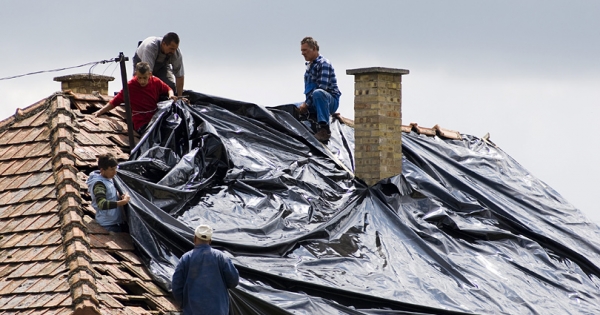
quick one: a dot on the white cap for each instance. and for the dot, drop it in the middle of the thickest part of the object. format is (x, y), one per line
(204, 232)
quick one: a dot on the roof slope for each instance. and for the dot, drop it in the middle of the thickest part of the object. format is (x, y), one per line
(54, 258)
(464, 229)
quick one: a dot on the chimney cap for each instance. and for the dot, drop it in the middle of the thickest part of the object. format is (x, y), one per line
(376, 70)
(83, 76)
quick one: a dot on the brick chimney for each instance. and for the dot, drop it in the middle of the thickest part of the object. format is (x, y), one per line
(377, 122)
(85, 83)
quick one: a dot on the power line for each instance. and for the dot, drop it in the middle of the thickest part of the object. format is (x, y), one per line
(61, 69)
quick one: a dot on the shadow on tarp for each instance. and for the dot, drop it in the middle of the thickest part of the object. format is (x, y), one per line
(464, 229)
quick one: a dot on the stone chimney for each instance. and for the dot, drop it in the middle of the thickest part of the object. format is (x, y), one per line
(85, 83)
(377, 122)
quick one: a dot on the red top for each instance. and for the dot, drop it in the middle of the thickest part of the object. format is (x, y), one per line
(143, 99)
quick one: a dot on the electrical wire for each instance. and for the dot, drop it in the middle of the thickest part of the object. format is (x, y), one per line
(95, 63)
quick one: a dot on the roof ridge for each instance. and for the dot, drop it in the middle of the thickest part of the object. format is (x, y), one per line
(75, 237)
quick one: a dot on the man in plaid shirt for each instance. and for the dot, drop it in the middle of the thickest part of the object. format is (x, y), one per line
(320, 88)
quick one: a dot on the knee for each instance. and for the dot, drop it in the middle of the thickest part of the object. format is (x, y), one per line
(319, 93)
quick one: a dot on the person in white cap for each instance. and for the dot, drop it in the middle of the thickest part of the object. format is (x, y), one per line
(203, 276)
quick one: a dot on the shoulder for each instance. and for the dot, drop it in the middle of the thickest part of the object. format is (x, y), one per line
(152, 40)
(323, 61)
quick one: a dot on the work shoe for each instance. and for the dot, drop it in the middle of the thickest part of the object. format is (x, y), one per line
(303, 109)
(323, 135)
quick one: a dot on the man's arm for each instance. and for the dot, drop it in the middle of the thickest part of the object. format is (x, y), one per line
(105, 204)
(179, 85)
(104, 109)
(178, 281)
(230, 273)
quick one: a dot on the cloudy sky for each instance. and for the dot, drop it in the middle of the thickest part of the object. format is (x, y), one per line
(527, 72)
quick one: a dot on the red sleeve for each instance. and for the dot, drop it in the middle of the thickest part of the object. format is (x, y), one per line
(118, 100)
(164, 88)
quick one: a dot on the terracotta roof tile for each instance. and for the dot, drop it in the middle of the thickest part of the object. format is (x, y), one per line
(107, 285)
(37, 146)
(162, 303)
(36, 165)
(46, 238)
(31, 150)
(45, 222)
(109, 301)
(6, 256)
(43, 299)
(13, 303)
(36, 120)
(129, 257)
(139, 271)
(10, 225)
(11, 286)
(92, 139)
(62, 299)
(110, 241)
(101, 256)
(41, 206)
(50, 285)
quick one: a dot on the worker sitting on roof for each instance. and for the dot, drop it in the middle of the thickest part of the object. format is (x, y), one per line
(105, 198)
(144, 93)
(320, 88)
(165, 60)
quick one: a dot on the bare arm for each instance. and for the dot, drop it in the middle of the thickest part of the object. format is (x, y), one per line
(179, 85)
(104, 109)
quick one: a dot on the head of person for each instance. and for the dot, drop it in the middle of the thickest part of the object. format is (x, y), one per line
(203, 234)
(309, 48)
(107, 163)
(169, 44)
(143, 73)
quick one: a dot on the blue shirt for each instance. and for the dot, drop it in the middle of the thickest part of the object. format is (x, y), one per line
(201, 280)
(320, 75)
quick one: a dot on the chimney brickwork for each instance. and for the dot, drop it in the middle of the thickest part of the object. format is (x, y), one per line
(377, 122)
(85, 83)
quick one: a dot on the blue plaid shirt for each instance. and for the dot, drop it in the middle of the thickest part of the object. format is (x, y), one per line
(320, 75)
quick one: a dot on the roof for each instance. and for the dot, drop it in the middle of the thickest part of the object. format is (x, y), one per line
(54, 258)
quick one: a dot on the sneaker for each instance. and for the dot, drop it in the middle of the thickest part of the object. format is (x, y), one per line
(323, 135)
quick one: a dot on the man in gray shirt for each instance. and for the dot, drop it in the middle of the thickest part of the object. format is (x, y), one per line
(165, 60)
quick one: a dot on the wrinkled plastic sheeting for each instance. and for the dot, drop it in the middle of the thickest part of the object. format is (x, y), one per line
(464, 229)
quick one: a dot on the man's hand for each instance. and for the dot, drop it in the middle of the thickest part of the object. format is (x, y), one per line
(124, 200)
(173, 97)
(303, 109)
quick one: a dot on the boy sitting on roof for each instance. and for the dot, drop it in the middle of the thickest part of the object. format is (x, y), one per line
(144, 93)
(105, 198)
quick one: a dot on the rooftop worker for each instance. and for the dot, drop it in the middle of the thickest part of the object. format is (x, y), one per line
(202, 277)
(144, 93)
(105, 198)
(165, 60)
(320, 88)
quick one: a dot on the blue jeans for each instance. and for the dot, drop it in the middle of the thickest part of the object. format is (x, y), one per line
(323, 104)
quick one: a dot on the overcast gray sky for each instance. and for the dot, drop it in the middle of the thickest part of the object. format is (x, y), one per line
(527, 72)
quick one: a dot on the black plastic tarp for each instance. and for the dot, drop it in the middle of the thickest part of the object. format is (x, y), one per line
(464, 229)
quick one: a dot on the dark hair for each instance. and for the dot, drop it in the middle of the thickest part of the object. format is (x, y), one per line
(142, 67)
(312, 43)
(107, 160)
(170, 37)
